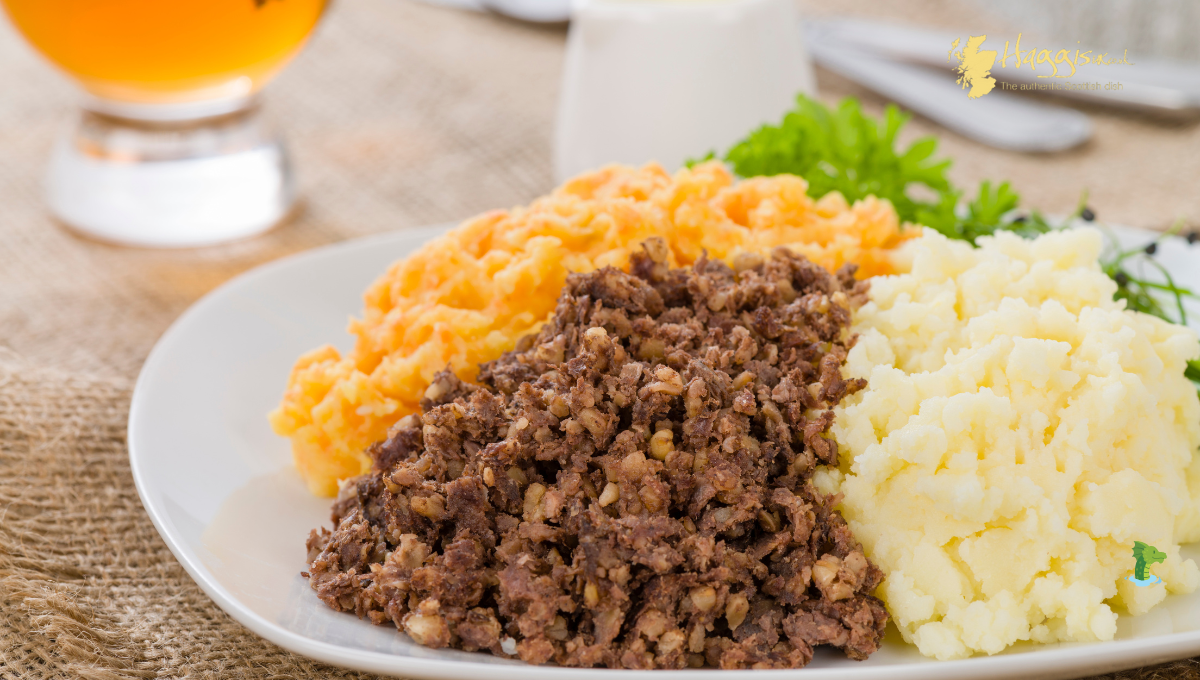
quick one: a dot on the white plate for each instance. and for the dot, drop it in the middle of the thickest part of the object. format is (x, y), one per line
(220, 488)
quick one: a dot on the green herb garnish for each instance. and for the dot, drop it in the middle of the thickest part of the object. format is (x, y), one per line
(851, 152)
(1162, 299)
(847, 151)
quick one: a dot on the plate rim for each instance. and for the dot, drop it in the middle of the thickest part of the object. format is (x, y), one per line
(1061, 662)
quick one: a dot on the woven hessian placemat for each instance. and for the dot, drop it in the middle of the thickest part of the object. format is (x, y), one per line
(399, 115)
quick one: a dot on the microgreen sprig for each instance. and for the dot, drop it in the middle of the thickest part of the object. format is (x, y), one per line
(1141, 294)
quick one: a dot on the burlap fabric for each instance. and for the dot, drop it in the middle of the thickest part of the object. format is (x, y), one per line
(399, 114)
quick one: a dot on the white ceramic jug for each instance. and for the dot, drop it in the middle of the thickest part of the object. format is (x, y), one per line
(668, 81)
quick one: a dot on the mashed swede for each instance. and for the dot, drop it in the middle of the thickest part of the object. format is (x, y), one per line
(1021, 430)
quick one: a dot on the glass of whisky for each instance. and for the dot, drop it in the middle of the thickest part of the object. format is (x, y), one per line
(170, 148)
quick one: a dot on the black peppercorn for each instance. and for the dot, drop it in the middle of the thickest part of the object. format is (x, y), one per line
(1122, 279)
(1087, 214)
(1019, 219)
(1152, 248)
(1193, 236)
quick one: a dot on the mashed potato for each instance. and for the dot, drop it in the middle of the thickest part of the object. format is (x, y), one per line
(1020, 431)
(467, 297)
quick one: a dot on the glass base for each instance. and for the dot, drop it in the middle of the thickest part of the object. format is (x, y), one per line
(170, 184)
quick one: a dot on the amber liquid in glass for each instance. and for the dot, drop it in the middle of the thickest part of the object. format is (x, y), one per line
(165, 51)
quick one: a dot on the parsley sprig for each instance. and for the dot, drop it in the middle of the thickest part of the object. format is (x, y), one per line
(848, 151)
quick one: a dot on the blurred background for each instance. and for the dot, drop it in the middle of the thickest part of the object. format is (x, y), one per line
(402, 113)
